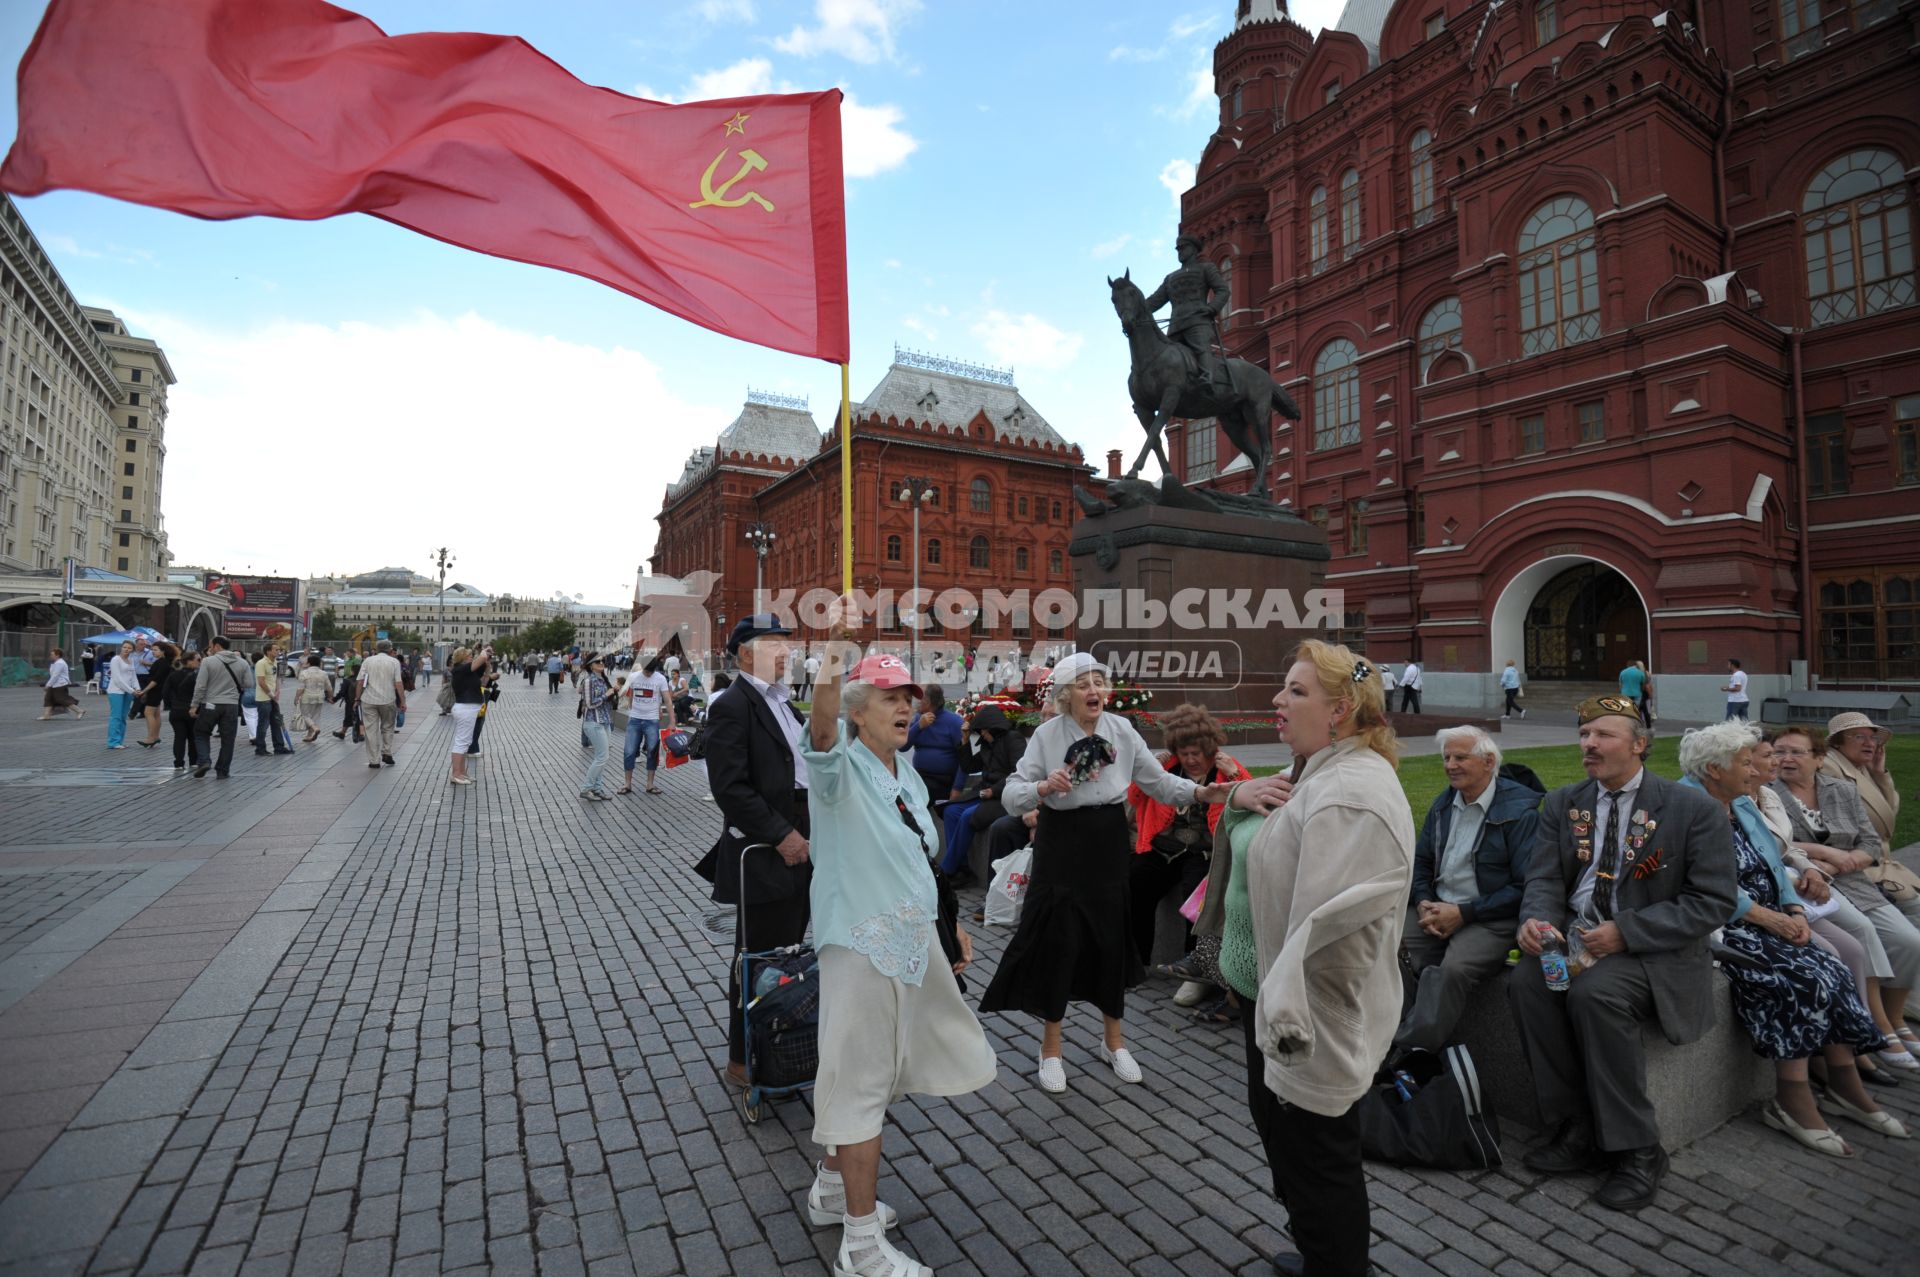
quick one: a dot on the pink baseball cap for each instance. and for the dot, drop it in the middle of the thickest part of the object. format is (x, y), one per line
(887, 671)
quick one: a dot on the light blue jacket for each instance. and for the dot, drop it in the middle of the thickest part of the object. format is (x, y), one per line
(1754, 826)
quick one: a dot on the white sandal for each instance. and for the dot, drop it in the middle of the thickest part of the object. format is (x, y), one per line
(827, 1203)
(1820, 1141)
(1894, 1052)
(866, 1252)
(1885, 1123)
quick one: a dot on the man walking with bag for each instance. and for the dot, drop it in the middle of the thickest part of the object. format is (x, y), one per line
(381, 699)
(224, 676)
(759, 783)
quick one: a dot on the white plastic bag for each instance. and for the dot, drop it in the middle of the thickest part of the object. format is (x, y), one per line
(1009, 888)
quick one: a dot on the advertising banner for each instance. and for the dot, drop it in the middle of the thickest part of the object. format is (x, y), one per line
(264, 607)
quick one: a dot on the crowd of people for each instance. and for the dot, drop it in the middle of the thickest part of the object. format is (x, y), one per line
(1340, 933)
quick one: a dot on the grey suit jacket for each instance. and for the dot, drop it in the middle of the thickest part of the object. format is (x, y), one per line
(1665, 915)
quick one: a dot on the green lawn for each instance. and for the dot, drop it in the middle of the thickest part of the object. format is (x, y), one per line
(1558, 765)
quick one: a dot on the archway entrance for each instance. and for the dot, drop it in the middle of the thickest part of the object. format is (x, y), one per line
(1585, 623)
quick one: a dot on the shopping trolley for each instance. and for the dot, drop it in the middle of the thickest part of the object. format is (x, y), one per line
(781, 1022)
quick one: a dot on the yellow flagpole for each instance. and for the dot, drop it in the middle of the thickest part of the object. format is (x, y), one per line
(846, 481)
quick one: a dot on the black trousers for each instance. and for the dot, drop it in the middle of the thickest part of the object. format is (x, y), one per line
(1317, 1172)
(186, 744)
(553, 684)
(227, 719)
(1006, 836)
(1513, 701)
(1150, 878)
(1409, 700)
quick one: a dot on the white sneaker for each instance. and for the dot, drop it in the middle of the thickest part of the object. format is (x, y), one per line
(1192, 994)
(1053, 1074)
(1124, 1066)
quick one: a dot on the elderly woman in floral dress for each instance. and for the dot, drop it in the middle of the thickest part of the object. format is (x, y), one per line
(892, 1021)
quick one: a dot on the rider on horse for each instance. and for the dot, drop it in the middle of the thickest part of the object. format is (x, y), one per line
(1192, 289)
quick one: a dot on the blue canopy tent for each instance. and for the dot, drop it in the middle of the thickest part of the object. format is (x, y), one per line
(114, 638)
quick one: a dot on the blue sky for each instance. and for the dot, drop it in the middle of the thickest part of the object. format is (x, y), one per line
(1002, 159)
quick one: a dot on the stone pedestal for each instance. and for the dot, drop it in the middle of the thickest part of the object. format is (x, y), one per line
(1200, 606)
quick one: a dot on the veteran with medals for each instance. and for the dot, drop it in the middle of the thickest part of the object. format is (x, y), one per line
(1636, 871)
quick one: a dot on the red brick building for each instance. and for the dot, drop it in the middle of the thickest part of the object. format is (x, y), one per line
(1602, 318)
(999, 515)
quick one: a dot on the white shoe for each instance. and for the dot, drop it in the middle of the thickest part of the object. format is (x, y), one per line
(1885, 1123)
(1053, 1074)
(1192, 994)
(458, 780)
(1124, 1066)
(866, 1252)
(1895, 1053)
(828, 1204)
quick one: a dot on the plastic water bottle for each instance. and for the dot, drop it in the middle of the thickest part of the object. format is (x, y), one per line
(769, 979)
(1553, 960)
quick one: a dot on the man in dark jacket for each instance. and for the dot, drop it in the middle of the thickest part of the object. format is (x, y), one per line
(1469, 867)
(759, 782)
(1641, 869)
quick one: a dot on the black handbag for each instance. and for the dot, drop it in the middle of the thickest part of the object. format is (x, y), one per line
(1428, 1110)
(785, 1021)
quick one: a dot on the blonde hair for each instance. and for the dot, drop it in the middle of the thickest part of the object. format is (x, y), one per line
(1335, 668)
(461, 655)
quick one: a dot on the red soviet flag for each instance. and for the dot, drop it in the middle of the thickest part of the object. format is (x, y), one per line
(731, 214)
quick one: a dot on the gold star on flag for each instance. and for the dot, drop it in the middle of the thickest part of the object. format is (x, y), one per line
(738, 124)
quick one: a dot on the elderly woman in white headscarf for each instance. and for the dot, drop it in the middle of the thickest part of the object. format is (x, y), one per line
(1074, 943)
(892, 1021)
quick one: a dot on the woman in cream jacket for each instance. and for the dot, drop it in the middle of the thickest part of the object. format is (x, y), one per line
(1327, 879)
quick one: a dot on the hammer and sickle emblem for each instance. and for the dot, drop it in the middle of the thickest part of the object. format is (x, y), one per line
(751, 161)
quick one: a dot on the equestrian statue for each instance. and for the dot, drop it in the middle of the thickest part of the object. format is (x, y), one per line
(1179, 373)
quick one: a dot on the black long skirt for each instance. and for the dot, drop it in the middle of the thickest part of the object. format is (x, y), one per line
(1073, 942)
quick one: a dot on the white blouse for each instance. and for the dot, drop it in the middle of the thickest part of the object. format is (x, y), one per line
(1133, 763)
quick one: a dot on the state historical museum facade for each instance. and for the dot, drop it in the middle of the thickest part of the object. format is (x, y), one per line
(1602, 320)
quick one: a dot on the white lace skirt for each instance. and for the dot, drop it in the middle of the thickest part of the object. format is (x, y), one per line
(881, 1038)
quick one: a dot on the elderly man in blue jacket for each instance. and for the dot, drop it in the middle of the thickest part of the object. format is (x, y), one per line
(1469, 868)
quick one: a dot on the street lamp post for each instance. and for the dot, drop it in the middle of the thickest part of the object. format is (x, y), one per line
(762, 536)
(916, 489)
(444, 558)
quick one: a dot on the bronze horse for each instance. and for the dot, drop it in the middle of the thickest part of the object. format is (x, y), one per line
(1163, 387)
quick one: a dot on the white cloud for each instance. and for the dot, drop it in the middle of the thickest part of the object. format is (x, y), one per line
(892, 263)
(871, 139)
(860, 30)
(518, 443)
(1200, 96)
(1177, 177)
(726, 10)
(1126, 53)
(921, 326)
(1191, 24)
(1109, 247)
(746, 78)
(1026, 341)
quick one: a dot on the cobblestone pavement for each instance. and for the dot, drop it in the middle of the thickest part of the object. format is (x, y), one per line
(320, 1019)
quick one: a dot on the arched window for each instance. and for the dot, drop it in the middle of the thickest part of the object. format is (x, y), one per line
(1858, 233)
(1020, 558)
(1336, 395)
(1420, 170)
(979, 553)
(1350, 212)
(1239, 101)
(1054, 562)
(1439, 331)
(1317, 229)
(933, 550)
(981, 493)
(893, 548)
(1559, 278)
